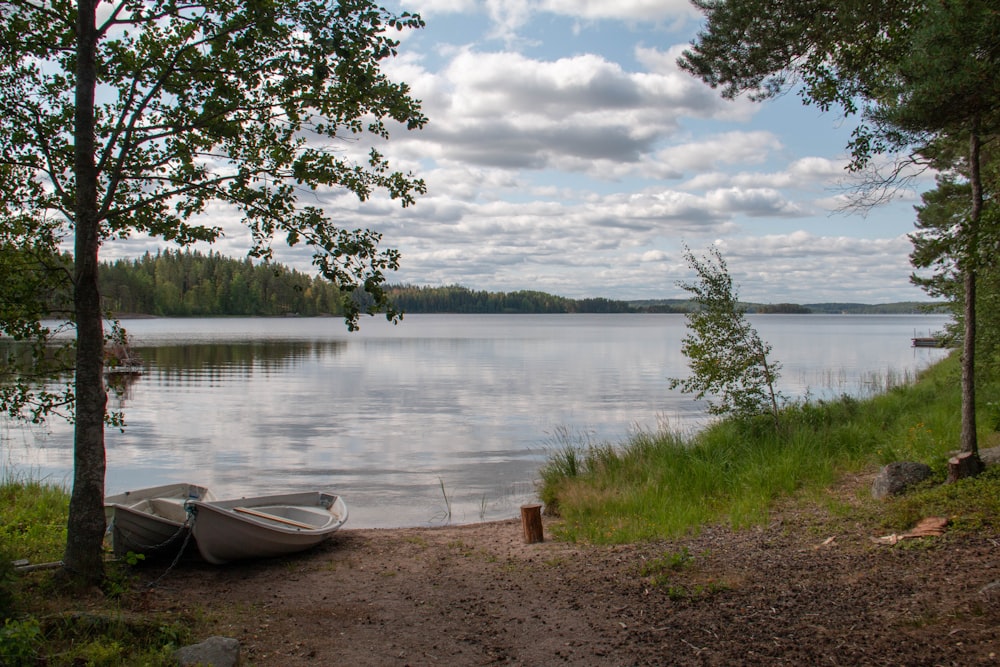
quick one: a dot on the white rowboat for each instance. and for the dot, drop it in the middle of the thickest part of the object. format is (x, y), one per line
(148, 521)
(265, 526)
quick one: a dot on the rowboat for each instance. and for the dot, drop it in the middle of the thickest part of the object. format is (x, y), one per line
(264, 526)
(149, 521)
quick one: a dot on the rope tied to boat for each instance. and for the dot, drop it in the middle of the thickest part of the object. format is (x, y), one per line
(189, 524)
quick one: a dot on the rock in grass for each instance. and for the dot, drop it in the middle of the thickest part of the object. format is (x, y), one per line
(896, 477)
(213, 652)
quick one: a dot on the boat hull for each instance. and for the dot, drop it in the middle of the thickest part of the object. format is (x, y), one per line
(151, 521)
(265, 526)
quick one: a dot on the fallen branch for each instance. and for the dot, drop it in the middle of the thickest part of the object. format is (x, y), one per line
(932, 526)
(25, 567)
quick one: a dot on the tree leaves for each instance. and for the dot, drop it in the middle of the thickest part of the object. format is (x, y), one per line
(728, 360)
(210, 101)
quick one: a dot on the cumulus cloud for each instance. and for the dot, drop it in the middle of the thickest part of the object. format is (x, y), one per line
(625, 10)
(754, 202)
(510, 15)
(581, 166)
(579, 113)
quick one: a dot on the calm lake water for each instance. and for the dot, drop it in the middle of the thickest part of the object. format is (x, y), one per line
(397, 418)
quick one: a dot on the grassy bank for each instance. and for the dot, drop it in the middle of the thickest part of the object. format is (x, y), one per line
(41, 621)
(665, 484)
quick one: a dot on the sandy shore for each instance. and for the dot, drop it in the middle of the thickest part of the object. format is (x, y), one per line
(791, 593)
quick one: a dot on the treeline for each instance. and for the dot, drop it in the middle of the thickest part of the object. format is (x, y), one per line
(458, 299)
(192, 284)
(897, 308)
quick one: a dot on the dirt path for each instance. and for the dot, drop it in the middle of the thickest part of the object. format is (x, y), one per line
(476, 595)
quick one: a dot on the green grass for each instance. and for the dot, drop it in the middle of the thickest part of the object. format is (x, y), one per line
(663, 484)
(33, 520)
(39, 621)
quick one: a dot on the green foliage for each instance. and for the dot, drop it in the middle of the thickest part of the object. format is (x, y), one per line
(944, 83)
(458, 299)
(192, 284)
(729, 361)
(923, 75)
(8, 582)
(938, 245)
(835, 51)
(663, 484)
(568, 459)
(667, 571)
(216, 101)
(972, 504)
(20, 641)
(669, 562)
(108, 640)
(34, 286)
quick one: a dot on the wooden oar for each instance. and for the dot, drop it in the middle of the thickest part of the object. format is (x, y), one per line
(272, 517)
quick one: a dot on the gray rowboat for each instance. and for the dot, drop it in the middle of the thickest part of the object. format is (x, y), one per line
(151, 521)
(265, 526)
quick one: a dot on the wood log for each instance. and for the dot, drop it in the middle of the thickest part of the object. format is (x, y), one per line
(965, 464)
(531, 522)
(24, 566)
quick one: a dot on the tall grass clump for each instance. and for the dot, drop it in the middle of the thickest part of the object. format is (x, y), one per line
(662, 484)
(32, 527)
(33, 519)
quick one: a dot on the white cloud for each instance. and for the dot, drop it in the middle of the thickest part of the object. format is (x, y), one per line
(581, 164)
(754, 202)
(625, 10)
(508, 16)
(580, 113)
(429, 7)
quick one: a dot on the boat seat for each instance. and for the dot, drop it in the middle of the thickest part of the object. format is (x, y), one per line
(169, 508)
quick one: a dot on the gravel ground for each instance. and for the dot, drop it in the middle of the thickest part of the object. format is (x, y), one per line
(808, 589)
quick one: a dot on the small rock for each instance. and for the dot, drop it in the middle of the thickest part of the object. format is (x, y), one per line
(213, 652)
(896, 477)
(990, 456)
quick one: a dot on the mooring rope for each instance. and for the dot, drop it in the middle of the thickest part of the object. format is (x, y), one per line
(189, 524)
(153, 547)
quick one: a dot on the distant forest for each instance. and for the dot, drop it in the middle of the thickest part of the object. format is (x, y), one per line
(192, 284)
(457, 299)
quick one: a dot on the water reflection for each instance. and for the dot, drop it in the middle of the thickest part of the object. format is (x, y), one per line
(439, 412)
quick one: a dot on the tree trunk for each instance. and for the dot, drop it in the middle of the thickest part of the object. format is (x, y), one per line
(85, 532)
(969, 439)
(965, 464)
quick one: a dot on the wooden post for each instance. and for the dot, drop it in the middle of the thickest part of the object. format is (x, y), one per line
(531, 522)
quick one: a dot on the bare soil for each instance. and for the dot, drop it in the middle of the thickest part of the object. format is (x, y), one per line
(808, 589)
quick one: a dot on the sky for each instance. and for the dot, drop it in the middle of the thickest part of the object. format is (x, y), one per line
(568, 153)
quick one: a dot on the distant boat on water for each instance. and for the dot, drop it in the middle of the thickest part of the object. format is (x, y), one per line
(927, 341)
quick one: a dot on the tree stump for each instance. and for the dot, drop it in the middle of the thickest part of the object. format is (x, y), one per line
(965, 464)
(531, 522)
